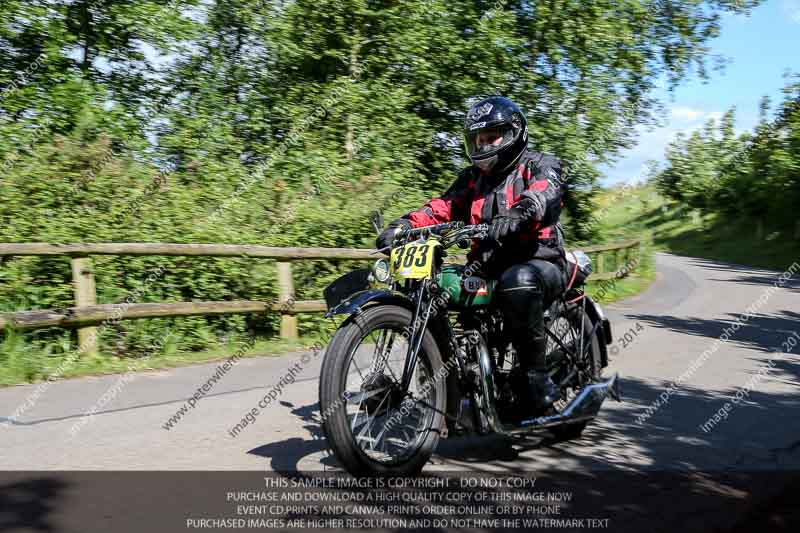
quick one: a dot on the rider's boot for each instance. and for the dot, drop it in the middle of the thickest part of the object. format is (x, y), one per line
(543, 392)
(533, 387)
(543, 389)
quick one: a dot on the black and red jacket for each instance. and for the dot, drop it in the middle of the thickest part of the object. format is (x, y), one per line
(475, 198)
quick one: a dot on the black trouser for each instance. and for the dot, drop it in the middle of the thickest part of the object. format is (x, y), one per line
(524, 291)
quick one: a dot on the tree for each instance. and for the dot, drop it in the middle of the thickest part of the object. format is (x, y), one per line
(756, 174)
(289, 123)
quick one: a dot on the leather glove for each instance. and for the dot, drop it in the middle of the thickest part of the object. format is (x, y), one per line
(386, 238)
(530, 207)
(502, 225)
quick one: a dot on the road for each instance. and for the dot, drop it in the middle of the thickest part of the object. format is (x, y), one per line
(682, 314)
(660, 472)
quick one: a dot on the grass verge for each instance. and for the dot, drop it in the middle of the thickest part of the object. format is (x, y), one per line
(671, 227)
(23, 363)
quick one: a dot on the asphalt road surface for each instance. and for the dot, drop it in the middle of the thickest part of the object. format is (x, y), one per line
(670, 325)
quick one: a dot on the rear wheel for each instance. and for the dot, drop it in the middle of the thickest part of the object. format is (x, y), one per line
(372, 428)
(573, 328)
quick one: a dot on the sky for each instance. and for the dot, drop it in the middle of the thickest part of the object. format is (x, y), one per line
(760, 49)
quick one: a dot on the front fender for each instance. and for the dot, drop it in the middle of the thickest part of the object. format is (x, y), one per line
(353, 304)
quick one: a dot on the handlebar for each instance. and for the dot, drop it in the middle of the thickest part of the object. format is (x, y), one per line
(437, 229)
(452, 232)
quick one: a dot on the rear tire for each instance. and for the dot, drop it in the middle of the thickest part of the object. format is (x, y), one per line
(575, 430)
(333, 383)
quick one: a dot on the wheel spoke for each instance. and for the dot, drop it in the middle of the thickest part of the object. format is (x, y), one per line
(353, 360)
(384, 430)
(358, 411)
(394, 376)
(359, 397)
(387, 357)
(376, 353)
(381, 352)
(377, 410)
(567, 332)
(373, 401)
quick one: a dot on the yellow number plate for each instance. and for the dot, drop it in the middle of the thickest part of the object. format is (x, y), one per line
(414, 260)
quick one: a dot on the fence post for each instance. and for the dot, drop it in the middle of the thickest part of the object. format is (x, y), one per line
(600, 268)
(286, 294)
(85, 294)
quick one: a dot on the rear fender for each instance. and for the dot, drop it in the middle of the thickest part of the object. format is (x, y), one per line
(596, 315)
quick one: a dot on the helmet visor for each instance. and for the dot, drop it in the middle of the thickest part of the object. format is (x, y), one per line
(486, 142)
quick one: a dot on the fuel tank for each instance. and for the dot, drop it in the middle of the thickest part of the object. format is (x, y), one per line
(474, 292)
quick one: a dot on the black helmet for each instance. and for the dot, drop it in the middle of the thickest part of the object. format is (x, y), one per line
(500, 119)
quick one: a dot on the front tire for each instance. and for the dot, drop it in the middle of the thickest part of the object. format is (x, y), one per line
(352, 448)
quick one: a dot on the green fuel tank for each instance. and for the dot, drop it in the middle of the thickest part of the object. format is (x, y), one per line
(475, 291)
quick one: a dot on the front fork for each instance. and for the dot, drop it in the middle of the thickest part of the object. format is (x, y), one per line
(419, 322)
(424, 310)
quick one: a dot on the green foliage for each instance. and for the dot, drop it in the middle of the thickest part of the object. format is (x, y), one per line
(673, 226)
(754, 175)
(288, 123)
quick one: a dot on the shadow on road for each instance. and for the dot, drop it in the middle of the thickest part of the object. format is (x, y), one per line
(285, 455)
(662, 473)
(759, 275)
(764, 333)
(747, 275)
(672, 438)
(28, 504)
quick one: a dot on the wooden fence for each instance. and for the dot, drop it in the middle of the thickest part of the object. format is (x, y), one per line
(87, 314)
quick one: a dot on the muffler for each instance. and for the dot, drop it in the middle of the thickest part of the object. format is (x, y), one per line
(584, 406)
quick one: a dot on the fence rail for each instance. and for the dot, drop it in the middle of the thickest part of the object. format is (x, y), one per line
(87, 313)
(207, 250)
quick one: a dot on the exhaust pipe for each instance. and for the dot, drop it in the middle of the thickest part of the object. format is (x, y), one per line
(584, 406)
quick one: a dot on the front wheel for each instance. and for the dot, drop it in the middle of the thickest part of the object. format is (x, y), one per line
(371, 425)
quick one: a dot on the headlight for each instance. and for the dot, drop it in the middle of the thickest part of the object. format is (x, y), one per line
(381, 270)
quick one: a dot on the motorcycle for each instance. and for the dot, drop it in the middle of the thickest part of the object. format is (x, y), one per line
(423, 354)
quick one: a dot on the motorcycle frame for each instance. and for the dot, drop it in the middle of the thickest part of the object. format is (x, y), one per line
(417, 297)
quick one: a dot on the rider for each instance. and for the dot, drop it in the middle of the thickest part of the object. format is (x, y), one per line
(518, 192)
